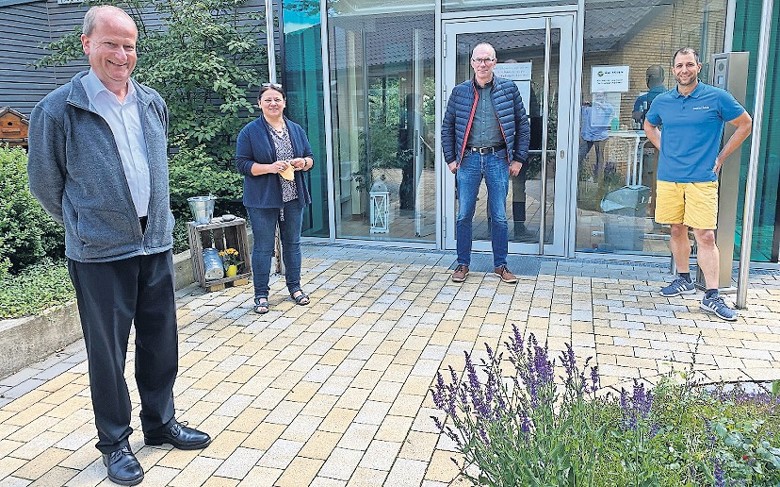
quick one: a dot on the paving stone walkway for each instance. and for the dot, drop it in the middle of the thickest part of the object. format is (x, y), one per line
(337, 393)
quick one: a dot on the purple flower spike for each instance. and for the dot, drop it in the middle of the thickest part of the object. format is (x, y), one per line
(643, 400)
(623, 400)
(594, 378)
(516, 341)
(627, 408)
(543, 366)
(720, 480)
(453, 375)
(525, 423)
(501, 404)
(490, 390)
(439, 391)
(569, 364)
(454, 437)
(475, 389)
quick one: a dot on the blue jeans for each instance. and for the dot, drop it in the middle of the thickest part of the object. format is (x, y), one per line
(263, 222)
(495, 170)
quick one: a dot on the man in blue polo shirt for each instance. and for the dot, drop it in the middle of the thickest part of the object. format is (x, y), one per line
(654, 77)
(693, 116)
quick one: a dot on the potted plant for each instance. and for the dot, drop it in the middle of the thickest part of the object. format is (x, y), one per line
(230, 261)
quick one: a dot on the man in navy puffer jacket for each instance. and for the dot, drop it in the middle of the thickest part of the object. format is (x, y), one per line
(485, 133)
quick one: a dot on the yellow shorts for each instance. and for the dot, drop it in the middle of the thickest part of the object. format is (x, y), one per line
(692, 204)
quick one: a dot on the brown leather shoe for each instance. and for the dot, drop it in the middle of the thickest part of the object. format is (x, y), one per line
(505, 275)
(460, 273)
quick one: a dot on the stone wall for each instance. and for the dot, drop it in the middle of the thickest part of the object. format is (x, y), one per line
(24, 341)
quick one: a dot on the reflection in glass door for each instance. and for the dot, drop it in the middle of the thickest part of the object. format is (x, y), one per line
(383, 113)
(537, 54)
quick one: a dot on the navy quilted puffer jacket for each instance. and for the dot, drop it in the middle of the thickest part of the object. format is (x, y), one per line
(511, 117)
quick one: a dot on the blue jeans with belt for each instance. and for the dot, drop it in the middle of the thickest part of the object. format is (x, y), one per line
(495, 170)
(263, 222)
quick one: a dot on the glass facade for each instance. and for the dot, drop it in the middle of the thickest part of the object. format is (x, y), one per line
(626, 61)
(464, 5)
(766, 225)
(382, 128)
(302, 80)
(382, 116)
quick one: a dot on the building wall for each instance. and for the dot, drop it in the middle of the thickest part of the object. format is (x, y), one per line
(27, 27)
(668, 28)
(766, 216)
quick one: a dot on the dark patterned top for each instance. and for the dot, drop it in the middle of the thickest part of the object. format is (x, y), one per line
(284, 151)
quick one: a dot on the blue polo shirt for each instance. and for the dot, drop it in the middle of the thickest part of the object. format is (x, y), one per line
(692, 129)
(648, 97)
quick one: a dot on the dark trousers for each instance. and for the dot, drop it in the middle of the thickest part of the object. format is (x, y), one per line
(111, 296)
(518, 194)
(585, 147)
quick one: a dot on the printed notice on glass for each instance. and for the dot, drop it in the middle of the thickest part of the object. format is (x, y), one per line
(520, 73)
(604, 79)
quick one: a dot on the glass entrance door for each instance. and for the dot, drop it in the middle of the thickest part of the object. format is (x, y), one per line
(536, 53)
(382, 84)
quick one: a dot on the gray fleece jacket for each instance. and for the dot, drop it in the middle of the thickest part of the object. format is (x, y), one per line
(76, 174)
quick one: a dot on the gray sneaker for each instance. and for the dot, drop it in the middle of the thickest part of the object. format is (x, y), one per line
(718, 306)
(677, 287)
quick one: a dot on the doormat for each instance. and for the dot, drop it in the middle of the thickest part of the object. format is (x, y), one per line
(520, 265)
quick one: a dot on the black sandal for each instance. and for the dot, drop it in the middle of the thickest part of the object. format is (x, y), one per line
(301, 299)
(261, 306)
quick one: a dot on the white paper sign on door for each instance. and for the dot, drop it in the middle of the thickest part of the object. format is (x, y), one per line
(609, 79)
(520, 73)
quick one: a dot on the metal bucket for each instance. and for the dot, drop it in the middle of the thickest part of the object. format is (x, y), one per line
(202, 208)
(212, 264)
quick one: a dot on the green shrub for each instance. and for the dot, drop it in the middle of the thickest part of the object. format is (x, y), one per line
(194, 172)
(5, 264)
(27, 233)
(204, 58)
(181, 241)
(525, 429)
(36, 288)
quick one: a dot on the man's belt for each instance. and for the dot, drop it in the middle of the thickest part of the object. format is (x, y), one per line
(487, 150)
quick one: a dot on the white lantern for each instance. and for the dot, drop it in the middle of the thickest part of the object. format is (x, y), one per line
(379, 201)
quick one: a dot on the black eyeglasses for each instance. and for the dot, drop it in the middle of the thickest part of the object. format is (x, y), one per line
(275, 86)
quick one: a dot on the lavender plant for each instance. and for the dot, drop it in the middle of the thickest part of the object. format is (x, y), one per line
(524, 429)
(520, 430)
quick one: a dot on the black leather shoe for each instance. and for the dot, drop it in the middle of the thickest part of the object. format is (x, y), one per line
(178, 435)
(123, 468)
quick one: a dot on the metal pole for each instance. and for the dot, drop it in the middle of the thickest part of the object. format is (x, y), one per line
(269, 40)
(750, 191)
(545, 119)
(271, 48)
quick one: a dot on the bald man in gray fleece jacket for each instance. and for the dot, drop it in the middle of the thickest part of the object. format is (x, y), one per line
(98, 164)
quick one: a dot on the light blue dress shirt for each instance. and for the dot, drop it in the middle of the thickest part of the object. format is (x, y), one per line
(125, 121)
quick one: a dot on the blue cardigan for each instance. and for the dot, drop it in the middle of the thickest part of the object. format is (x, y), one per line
(255, 145)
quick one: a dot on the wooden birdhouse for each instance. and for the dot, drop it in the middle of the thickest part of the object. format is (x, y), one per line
(13, 127)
